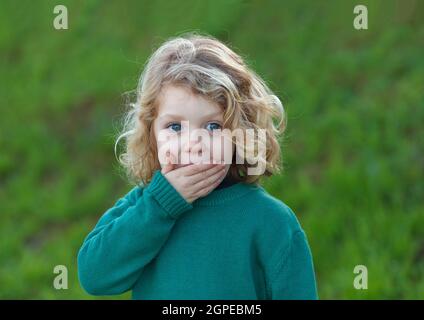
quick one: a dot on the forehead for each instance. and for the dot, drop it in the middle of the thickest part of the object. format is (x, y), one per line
(181, 100)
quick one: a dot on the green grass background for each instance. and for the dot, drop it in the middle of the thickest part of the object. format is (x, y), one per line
(353, 153)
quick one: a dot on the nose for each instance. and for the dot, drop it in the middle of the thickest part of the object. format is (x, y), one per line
(192, 151)
(193, 146)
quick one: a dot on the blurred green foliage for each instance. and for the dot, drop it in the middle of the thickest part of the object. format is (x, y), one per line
(353, 153)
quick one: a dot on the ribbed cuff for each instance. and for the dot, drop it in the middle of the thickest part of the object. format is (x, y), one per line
(167, 196)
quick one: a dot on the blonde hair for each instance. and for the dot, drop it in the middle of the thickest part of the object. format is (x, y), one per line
(209, 68)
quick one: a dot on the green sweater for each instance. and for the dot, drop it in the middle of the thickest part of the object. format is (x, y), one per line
(237, 242)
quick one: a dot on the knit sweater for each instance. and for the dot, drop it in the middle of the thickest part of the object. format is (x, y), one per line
(237, 242)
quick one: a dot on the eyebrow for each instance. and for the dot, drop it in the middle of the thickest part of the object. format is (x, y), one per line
(179, 117)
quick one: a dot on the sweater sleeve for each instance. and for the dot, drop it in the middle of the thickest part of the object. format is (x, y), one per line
(128, 236)
(294, 277)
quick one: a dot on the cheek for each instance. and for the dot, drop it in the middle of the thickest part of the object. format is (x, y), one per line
(170, 146)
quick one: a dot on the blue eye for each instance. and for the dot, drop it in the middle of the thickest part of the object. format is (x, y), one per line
(175, 126)
(215, 126)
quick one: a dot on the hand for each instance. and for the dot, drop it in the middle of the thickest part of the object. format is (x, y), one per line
(194, 180)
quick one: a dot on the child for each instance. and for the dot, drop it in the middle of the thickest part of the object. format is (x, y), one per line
(198, 229)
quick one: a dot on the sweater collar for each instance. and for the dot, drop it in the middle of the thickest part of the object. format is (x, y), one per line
(222, 195)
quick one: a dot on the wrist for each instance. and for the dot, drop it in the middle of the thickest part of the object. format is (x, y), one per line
(167, 196)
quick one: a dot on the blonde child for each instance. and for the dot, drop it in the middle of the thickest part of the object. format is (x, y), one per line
(203, 228)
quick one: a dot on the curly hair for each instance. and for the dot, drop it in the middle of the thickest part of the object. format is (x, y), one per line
(209, 68)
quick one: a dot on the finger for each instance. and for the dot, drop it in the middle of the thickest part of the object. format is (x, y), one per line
(204, 175)
(192, 169)
(206, 190)
(211, 179)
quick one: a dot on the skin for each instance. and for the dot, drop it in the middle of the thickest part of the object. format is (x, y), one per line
(206, 168)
